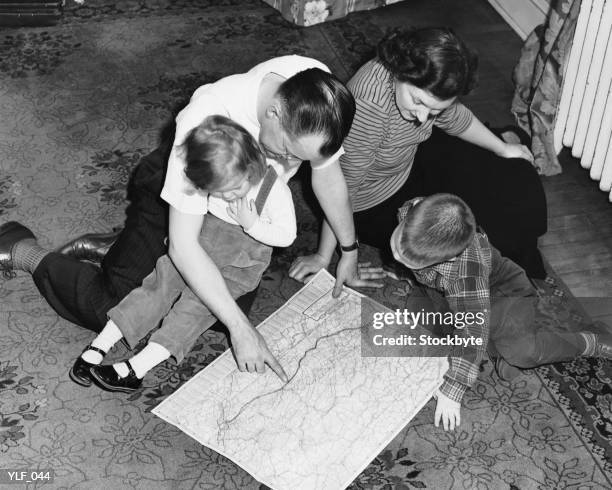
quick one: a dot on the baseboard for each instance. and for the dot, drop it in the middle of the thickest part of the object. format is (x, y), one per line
(14, 13)
(522, 15)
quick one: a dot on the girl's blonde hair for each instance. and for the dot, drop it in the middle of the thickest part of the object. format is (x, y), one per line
(217, 150)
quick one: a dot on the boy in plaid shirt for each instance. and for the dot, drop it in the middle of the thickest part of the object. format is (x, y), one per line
(437, 238)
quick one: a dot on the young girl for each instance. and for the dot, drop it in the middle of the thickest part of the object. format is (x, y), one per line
(224, 161)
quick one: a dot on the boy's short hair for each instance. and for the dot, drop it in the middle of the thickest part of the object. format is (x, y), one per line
(217, 150)
(316, 102)
(433, 59)
(436, 229)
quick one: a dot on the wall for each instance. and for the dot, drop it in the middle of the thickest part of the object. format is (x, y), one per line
(522, 15)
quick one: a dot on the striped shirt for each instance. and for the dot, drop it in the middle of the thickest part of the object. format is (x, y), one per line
(465, 284)
(381, 145)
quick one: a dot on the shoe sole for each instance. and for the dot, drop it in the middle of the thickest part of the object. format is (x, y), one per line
(21, 231)
(102, 384)
(78, 380)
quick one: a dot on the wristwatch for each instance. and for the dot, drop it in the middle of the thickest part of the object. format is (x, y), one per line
(351, 247)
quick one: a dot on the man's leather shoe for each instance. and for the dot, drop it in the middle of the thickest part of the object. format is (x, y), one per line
(79, 373)
(603, 348)
(92, 246)
(505, 371)
(108, 379)
(11, 233)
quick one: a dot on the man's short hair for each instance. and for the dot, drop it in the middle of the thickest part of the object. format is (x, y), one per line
(316, 102)
(436, 229)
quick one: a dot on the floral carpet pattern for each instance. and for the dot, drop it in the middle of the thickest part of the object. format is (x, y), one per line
(82, 102)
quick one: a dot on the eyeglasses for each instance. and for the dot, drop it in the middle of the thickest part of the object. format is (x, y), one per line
(282, 156)
(288, 157)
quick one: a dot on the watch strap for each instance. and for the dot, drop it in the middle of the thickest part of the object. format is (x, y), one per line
(351, 247)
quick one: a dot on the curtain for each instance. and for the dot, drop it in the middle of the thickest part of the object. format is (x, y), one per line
(538, 80)
(311, 12)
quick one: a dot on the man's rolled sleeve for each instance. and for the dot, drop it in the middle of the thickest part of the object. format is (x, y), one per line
(178, 191)
(334, 158)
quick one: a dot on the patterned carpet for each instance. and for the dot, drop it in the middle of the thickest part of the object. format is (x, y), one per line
(81, 102)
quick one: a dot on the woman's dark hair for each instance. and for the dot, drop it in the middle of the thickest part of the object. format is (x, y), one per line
(217, 150)
(316, 102)
(433, 59)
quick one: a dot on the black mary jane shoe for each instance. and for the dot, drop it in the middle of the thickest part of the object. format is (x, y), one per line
(108, 379)
(79, 372)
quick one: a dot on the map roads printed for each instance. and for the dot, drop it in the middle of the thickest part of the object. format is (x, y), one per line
(333, 417)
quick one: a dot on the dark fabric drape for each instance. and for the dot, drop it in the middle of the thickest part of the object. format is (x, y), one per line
(538, 79)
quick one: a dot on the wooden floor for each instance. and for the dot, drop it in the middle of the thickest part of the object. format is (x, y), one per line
(578, 244)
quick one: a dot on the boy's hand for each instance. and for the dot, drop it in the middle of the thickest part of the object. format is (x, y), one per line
(512, 150)
(448, 410)
(243, 211)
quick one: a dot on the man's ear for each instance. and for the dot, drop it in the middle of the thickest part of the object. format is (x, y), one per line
(273, 111)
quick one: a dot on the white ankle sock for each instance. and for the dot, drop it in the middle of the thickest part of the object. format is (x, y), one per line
(144, 361)
(122, 369)
(105, 340)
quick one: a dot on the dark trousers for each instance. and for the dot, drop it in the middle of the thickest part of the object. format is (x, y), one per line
(82, 292)
(164, 297)
(506, 197)
(516, 334)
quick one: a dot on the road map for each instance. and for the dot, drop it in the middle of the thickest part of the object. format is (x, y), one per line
(334, 416)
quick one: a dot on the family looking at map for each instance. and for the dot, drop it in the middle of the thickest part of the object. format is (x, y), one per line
(368, 149)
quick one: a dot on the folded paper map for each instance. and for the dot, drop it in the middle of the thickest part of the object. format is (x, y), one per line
(336, 413)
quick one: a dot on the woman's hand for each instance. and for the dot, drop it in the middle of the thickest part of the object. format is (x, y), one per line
(303, 268)
(353, 274)
(513, 150)
(447, 410)
(243, 212)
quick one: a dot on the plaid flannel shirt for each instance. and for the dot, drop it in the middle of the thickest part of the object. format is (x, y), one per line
(464, 282)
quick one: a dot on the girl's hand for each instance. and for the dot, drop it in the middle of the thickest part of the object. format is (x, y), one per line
(243, 211)
(512, 150)
(447, 410)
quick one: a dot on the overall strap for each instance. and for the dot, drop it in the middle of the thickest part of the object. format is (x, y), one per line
(266, 186)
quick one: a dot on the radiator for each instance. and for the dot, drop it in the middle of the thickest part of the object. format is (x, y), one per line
(584, 116)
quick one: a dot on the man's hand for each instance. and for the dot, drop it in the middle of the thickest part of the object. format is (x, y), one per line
(303, 268)
(447, 410)
(352, 274)
(243, 211)
(512, 150)
(252, 352)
